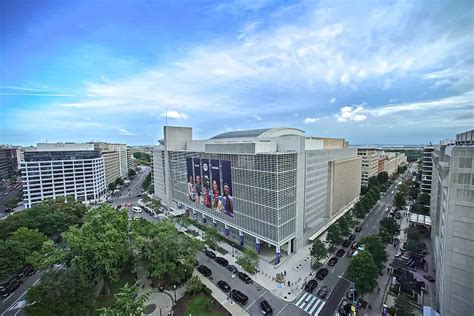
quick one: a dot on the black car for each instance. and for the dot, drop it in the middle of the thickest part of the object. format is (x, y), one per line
(223, 286)
(266, 308)
(232, 269)
(11, 285)
(351, 237)
(244, 277)
(239, 296)
(346, 243)
(222, 261)
(358, 228)
(204, 270)
(340, 253)
(332, 261)
(322, 273)
(27, 271)
(210, 254)
(323, 291)
(311, 285)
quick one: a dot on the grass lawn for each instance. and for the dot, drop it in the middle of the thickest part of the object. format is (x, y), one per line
(106, 301)
(199, 305)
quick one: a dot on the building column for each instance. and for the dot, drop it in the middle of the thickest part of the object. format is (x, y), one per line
(214, 222)
(194, 214)
(241, 234)
(277, 255)
(289, 247)
(257, 245)
(226, 230)
(203, 219)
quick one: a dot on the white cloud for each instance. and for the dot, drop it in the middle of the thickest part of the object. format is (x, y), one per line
(255, 116)
(345, 78)
(351, 113)
(125, 132)
(175, 115)
(333, 100)
(310, 120)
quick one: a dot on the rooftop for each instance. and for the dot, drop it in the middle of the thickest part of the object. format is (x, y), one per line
(262, 132)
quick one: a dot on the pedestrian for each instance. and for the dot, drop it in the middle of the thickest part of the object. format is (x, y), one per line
(378, 289)
(370, 307)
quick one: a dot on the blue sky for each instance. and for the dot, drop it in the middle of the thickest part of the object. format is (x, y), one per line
(393, 72)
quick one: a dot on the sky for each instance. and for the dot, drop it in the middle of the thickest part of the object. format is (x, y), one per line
(372, 72)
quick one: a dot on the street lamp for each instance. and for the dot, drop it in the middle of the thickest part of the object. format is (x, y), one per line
(174, 286)
(160, 310)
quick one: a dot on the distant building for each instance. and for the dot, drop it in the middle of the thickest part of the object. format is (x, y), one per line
(114, 162)
(452, 216)
(370, 164)
(8, 162)
(272, 189)
(62, 169)
(427, 169)
(112, 166)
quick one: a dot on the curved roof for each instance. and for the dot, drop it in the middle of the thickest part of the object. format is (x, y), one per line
(262, 132)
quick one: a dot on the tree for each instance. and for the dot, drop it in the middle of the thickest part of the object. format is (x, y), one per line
(359, 211)
(399, 200)
(373, 244)
(424, 199)
(404, 189)
(211, 237)
(403, 306)
(13, 202)
(127, 302)
(147, 182)
(318, 250)
(100, 247)
(382, 177)
(195, 285)
(373, 182)
(363, 190)
(131, 173)
(61, 292)
(199, 306)
(414, 191)
(334, 236)
(112, 186)
(344, 226)
(390, 226)
(119, 181)
(248, 260)
(363, 272)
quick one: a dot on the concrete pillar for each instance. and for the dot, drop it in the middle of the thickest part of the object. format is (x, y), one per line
(194, 214)
(277, 255)
(203, 219)
(241, 234)
(289, 246)
(226, 230)
(214, 222)
(257, 245)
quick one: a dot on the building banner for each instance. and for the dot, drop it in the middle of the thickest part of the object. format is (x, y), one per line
(216, 186)
(206, 183)
(197, 181)
(227, 199)
(190, 177)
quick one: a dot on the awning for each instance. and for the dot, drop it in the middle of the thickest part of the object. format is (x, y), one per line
(177, 212)
(420, 219)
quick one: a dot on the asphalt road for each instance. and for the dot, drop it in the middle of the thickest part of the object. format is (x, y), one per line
(5, 195)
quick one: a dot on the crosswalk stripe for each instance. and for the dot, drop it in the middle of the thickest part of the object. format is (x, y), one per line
(319, 309)
(301, 298)
(310, 304)
(315, 306)
(309, 298)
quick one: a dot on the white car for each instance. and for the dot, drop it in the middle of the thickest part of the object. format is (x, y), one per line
(136, 209)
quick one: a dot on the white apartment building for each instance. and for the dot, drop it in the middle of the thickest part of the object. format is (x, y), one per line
(452, 217)
(62, 169)
(370, 161)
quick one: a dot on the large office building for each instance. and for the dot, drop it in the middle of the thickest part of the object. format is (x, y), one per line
(271, 189)
(427, 169)
(116, 166)
(63, 169)
(8, 162)
(370, 162)
(452, 217)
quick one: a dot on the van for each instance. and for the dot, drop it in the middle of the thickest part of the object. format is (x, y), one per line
(239, 297)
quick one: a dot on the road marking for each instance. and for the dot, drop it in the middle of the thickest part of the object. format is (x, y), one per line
(282, 309)
(24, 293)
(310, 303)
(301, 298)
(319, 306)
(374, 226)
(319, 309)
(256, 300)
(333, 270)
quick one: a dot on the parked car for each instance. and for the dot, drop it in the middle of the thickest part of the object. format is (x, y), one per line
(311, 285)
(136, 209)
(351, 237)
(332, 261)
(266, 308)
(210, 254)
(358, 228)
(27, 271)
(323, 291)
(204, 270)
(244, 277)
(239, 297)
(340, 253)
(222, 261)
(322, 273)
(429, 277)
(354, 245)
(223, 286)
(346, 243)
(350, 253)
(232, 269)
(9, 286)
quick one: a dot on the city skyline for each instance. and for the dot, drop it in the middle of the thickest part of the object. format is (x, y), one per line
(391, 73)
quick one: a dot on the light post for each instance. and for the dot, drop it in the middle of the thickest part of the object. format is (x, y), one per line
(160, 311)
(174, 287)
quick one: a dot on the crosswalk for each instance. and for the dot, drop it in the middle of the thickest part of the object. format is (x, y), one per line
(310, 304)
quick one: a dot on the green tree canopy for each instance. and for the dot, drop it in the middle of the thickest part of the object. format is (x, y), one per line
(127, 302)
(390, 226)
(248, 260)
(344, 226)
(363, 272)
(424, 199)
(403, 306)
(399, 200)
(119, 181)
(373, 244)
(147, 182)
(112, 186)
(131, 173)
(334, 236)
(318, 250)
(382, 177)
(359, 210)
(195, 285)
(211, 238)
(61, 292)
